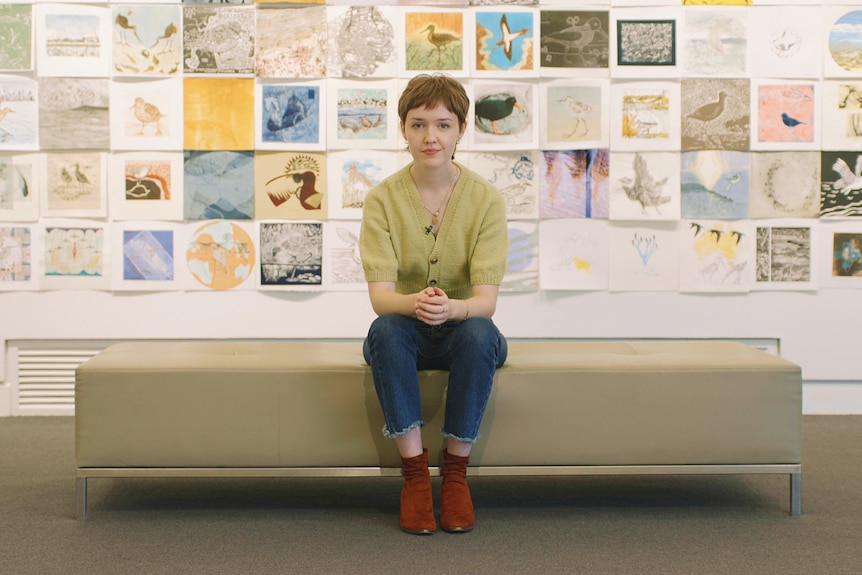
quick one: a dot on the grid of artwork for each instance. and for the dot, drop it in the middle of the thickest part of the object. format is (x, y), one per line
(704, 146)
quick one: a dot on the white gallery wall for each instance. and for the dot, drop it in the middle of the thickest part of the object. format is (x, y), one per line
(671, 169)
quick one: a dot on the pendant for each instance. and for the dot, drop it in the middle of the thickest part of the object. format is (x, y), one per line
(434, 217)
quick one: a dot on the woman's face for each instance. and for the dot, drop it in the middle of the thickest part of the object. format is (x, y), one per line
(431, 135)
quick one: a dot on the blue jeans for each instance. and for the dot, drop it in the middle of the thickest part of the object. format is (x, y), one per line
(397, 347)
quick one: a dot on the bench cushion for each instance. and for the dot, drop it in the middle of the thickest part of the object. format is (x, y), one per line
(555, 402)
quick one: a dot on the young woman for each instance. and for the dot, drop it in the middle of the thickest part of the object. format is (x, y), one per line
(434, 246)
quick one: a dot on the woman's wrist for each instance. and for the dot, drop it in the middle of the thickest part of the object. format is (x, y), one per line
(466, 310)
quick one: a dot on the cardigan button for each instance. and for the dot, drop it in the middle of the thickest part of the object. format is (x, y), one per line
(432, 283)
(433, 260)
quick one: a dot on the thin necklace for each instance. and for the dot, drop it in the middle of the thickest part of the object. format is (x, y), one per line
(435, 215)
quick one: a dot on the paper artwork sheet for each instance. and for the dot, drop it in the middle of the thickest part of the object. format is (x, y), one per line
(145, 186)
(75, 255)
(516, 175)
(292, 257)
(362, 41)
(19, 187)
(785, 185)
(841, 184)
(715, 42)
(73, 113)
(16, 50)
(145, 256)
(715, 114)
(290, 42)
(574, 254)
(218, 185)
(645, 42)
(73, 40)
(75, 185)
(575, 184)
(218, 39)
(219, 255)
(505, 115)
(505, 42)
(434, 40)
(644, 257)
(147, 39)
(574, 114)
(785, 44)
(645, 116)
(290, 116)
(785, 255)
(341, 250)
(715, 256)
(714, 184)
(147, 115)
(644, 186)
(218, 113)
(522, 272)
(18, 270)
(842, 56)
(840, 249)
(351, 175)
(785, 115)
(841, 106)
(574, 43)
(362, 114)
(19, 113)
(290, 185)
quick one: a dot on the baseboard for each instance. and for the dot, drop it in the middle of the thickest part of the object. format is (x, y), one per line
(831, 398)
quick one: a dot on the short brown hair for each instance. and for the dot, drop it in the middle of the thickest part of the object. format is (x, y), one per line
(427, 91)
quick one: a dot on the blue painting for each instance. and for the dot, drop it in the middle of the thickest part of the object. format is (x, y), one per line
(148, 255)
(291, 114)
(504, 41)
(218, 185)
(715, 184)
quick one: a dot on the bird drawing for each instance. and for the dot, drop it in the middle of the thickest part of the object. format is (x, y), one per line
(294, 113)
(508, 37)
(440, 40)
(168, 37)
(3, 113)
(82, 178)
(850, 180)
(491, 109)
(644, 188)
(790, 121)
(147, 113)
(709, 112)
(66, 177)
(577, 36)
(732, 180)
(123, 23)
(577, 110)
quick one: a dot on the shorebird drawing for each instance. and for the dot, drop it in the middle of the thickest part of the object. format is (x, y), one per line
(147, 113)
(81, 177)
(644, 188)
(709, 112)
(123, 23)
(850, 180)
(66, 177)
(440, 40)
(576, 109)
(494, 108)
(168, 37)
(508, 37)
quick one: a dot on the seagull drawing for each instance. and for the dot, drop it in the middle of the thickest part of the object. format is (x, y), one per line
(644, 189)
(508, 37)
(850, 180)
(494, 108)
(576, 109)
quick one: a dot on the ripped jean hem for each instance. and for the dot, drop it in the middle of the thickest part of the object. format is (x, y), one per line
(461, 439)
(396, 434)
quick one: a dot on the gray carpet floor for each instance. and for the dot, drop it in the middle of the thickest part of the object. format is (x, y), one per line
(583, 525)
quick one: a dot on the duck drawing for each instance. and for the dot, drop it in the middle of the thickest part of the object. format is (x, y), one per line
(492, 109)
(644, 188)
(850, 180)
(508, 37)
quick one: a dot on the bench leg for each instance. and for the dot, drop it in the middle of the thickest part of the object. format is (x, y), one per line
(81, 489)
(796, 494)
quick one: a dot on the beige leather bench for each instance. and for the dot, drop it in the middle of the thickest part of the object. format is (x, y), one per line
(558, 407)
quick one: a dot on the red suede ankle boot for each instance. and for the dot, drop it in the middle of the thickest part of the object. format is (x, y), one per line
(417, 504)
(456, 506)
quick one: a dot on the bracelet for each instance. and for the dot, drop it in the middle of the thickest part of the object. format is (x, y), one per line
(467, 313)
